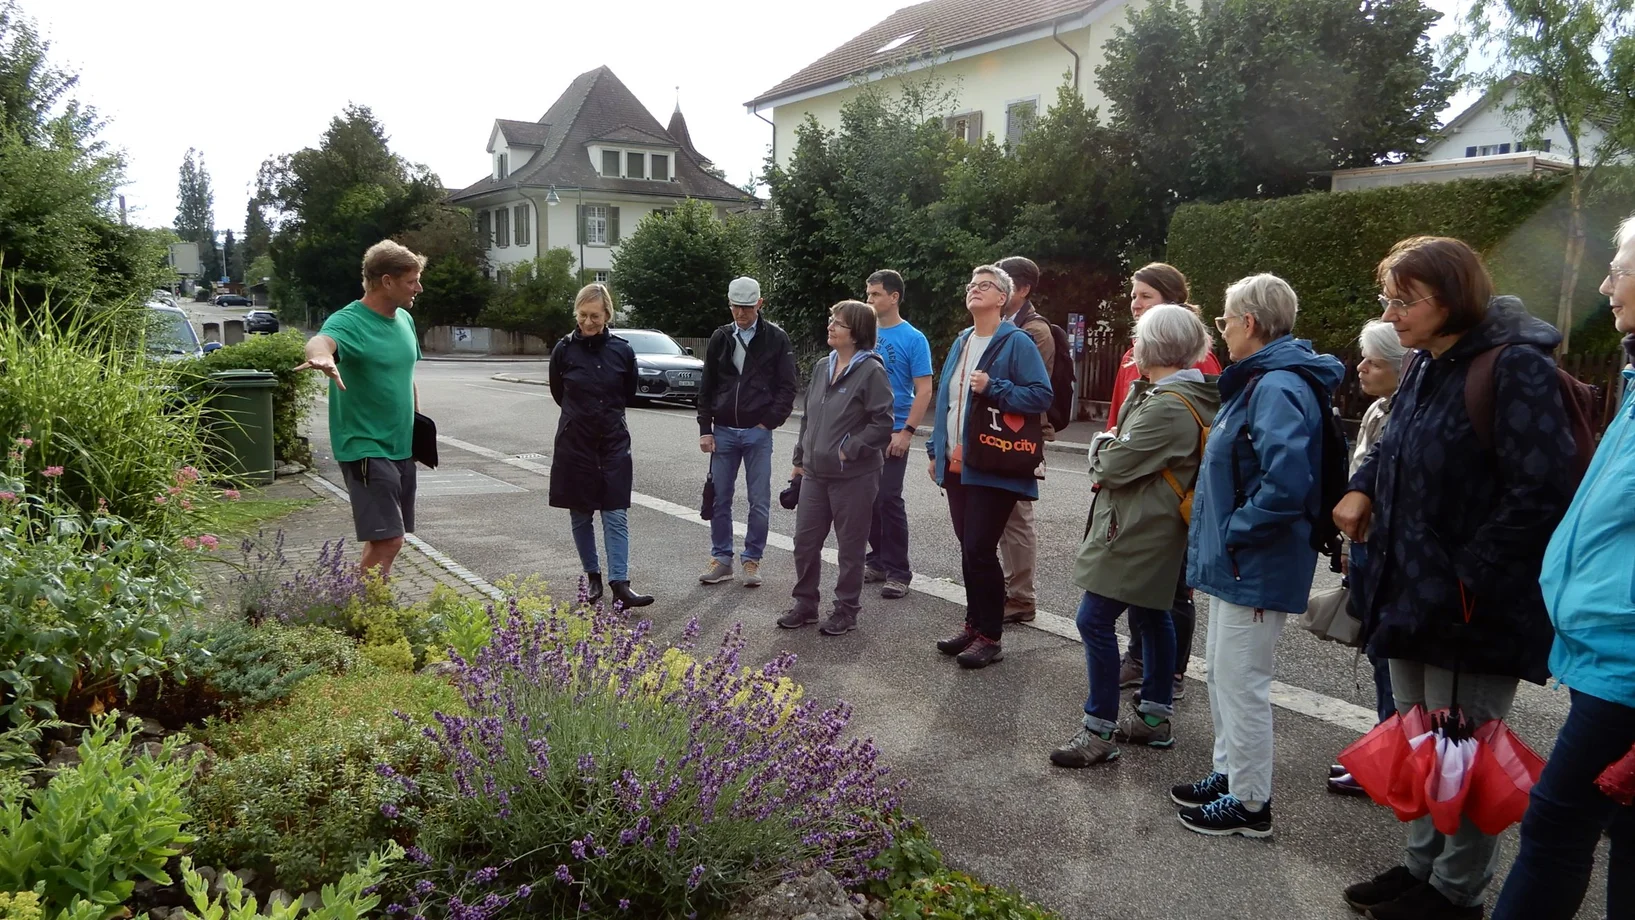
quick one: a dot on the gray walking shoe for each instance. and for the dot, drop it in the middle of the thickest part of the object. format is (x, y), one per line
(893, 590)
(717, 572)
(752, 573)
(1085, 749)
(795, 619)
(838, 624)
(1134, 729)
(872, 575)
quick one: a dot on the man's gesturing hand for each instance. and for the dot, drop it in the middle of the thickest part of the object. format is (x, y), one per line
(324, 364)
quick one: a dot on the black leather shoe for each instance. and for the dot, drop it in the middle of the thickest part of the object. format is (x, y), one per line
(958, 642)
(1384, 888)
(1346, 785)
(627, 597)
(593, 587)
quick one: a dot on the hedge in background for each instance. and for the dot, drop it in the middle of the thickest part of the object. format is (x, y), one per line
(1326, 245)
(278, 354)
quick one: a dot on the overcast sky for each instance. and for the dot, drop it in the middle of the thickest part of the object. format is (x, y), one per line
(242, 81)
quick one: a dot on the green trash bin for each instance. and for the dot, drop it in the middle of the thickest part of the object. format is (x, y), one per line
(241, 416)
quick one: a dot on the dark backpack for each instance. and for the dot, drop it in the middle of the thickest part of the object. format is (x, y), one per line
(1579, 398)
(1334, 465)
(1061, 414)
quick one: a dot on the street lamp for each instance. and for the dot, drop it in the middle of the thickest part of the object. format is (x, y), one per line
(552, 200)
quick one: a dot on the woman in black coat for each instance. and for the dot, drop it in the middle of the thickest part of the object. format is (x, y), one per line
(1457, 512)
(593, 378)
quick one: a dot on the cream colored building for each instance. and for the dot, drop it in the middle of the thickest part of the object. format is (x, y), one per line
(1002, 61)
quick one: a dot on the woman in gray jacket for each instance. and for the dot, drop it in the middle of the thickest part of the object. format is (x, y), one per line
(843, 434)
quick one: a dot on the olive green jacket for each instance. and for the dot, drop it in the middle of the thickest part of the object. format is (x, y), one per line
(1137, 544)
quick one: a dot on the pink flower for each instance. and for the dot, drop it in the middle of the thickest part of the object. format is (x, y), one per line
(14, 456)
(25, 442)
(208, 540)
(26, 428)
(187, 505)
(8, 496)
(231, 495)
(102, 504)
(158, 499)
(174, 490)
(53, 471)
(187, 474)
(189, 543)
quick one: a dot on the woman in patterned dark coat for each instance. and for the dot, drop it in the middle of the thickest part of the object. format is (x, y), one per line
(1456, 525)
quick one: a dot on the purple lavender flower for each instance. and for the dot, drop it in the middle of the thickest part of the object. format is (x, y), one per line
(423, 887)
(624, 903)
(486, 875)
(523, 891)
(389, 810)
(674, 840)
(563, 875)
(696, 877)
(578, 849)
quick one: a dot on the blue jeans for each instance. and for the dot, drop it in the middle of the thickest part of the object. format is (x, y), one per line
(1097, 615)
(615, 532)
(751, 448)
(888, 531)
(1183, 613)
(1565, 817)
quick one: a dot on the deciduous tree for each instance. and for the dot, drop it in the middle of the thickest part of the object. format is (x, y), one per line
(673, 272)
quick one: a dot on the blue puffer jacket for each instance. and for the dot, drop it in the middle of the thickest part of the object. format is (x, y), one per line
(1260, 555)
(1588, 582)
(1018, 383)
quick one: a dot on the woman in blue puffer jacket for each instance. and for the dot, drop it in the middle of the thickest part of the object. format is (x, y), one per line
(1589, 589)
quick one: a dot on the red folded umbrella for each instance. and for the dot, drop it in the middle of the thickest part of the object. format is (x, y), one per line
(1505, 771)
(1618, 780)
(1376, 759)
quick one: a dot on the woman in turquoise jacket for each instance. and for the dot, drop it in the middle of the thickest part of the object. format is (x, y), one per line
(1000, 361)
(1588, 581)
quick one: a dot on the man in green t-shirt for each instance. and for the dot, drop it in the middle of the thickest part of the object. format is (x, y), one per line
(371, 413)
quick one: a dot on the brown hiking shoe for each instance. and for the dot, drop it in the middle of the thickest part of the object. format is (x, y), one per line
(1019, 611)
(1134, 729)
(982, 652)
(1129, 673)
(795, 619)
(1085, 749)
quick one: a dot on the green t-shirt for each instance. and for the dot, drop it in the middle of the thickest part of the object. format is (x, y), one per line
(374, 415)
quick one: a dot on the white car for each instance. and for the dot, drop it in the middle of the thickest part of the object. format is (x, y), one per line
(170, 335)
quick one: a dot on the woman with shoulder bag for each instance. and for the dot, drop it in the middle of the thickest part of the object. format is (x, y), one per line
(1379, 373)
(993, 378)
(1136, 545)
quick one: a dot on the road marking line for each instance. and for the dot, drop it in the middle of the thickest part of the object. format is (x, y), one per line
(454, 568)
(1287, 696)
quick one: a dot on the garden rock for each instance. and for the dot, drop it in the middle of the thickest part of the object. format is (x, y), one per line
(279, 898)
(812, 897)
(159, 913)
(151, 730)
(438, 669)
(311, 901)
(289, 469)
(208, 873)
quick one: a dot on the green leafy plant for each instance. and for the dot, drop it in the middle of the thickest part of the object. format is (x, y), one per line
(910, 857)
(349, 898)
(950, 895)
(278, 354)
(25, 905)
(234, 666)
(99, 826)
(305, 790)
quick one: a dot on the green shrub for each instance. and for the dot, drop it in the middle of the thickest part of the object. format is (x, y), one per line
(86, 603)
(98, 826)
(300, 794)
(112, 419)
(233, 666)
(1326, 245)
(950, 895)
(350, 898)
(279, 354)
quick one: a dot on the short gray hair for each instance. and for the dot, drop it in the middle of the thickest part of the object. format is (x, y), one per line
(1626, 232)
(1267, 298)
(1379, 340)
(1168, 335)
(1000, 277)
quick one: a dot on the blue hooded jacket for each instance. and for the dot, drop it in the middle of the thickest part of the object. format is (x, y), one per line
(1587, 578)
(1018, 383)
(1260, 555)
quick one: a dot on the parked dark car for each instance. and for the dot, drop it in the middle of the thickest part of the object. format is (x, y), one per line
(261, 321)
(664, 370)
(233, 300)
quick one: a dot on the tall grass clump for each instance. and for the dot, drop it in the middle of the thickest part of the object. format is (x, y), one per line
(90, 400)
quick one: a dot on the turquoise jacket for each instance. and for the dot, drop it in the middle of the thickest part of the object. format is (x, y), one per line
(1589, 577)
(1018, 383)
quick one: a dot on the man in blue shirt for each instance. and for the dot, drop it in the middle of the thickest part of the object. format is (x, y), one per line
(907, 356)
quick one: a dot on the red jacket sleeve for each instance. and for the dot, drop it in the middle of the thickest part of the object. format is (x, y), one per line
(1210, 364)
(1127, 374)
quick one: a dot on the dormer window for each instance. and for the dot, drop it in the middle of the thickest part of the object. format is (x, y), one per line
(610, 163)
(501, 167)
(661, 167)
(636, 164)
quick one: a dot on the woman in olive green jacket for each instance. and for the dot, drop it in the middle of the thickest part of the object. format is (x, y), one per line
(1136, 544)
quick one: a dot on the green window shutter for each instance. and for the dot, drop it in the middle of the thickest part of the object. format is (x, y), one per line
(613, 226)
(580, 211)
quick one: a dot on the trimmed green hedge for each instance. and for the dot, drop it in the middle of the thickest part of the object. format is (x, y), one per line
(279, 353)
(1326, 245)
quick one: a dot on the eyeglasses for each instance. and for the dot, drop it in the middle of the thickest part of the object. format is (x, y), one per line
(837, 324)
(1388, 304)
(1614, 272)
(1221, 321)
(981, 287)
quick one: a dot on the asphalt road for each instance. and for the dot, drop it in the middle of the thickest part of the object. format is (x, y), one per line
(1101, 843)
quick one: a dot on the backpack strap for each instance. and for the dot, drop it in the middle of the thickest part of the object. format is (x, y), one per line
(1480, 384)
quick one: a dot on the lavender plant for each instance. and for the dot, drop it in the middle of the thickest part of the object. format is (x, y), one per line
(587, 779)
(316, 595)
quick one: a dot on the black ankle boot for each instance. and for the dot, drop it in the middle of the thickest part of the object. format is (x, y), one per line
(627, 597)
(593, 587)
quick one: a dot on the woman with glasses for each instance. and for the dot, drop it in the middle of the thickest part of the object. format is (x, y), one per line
(593, 379)
(1249, 546)
(843, 436)
(1457, 512)
(1000, 361)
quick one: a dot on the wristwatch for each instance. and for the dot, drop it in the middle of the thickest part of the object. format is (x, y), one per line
(908, 428)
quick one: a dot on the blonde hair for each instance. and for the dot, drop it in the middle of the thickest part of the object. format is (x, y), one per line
(595, 291)
(389, 258)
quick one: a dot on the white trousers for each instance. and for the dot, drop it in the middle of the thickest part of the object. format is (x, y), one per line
(1240, 650)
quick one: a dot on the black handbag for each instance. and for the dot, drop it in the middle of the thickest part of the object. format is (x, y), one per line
(790, 496)
(706, 505)
(1003, 443)
(425, 441)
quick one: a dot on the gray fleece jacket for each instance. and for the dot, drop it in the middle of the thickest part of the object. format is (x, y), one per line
(846, 424)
